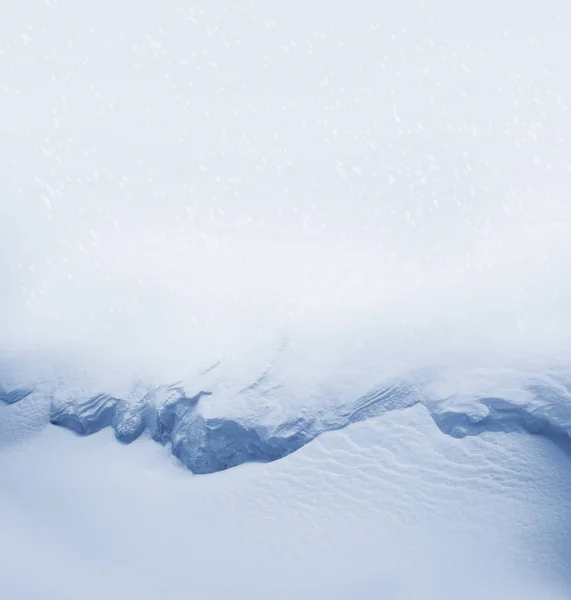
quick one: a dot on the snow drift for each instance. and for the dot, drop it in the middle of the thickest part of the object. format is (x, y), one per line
(537, 404)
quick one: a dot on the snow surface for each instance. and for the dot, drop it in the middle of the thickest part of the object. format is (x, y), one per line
(385, 508)
(334, 234)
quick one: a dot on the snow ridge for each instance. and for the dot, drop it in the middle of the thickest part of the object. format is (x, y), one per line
(207, 445)
(210, 444)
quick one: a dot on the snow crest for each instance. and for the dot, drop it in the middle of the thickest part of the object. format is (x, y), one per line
(537, 405)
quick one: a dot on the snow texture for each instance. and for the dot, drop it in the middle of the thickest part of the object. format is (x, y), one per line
(539, 405)
(388, 506)
(316, 253)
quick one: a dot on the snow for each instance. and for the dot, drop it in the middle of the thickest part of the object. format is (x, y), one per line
(284, 299)
(388, 506)
(225, 423)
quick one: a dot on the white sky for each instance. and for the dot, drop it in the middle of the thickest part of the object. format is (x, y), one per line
(200, 171)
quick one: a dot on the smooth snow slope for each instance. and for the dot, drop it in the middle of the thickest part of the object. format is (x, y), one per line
(388, 508)
(331, 233)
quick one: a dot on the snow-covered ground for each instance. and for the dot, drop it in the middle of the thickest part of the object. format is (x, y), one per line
(387, 508)
(302, 270)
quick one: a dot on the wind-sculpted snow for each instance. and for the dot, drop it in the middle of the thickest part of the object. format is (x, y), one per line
(502, 416)
(207, 444)
(14, 395)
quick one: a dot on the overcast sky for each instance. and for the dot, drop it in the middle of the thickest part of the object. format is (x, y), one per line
(193, 173)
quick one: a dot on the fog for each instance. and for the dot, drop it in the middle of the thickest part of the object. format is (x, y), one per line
(182, 178)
